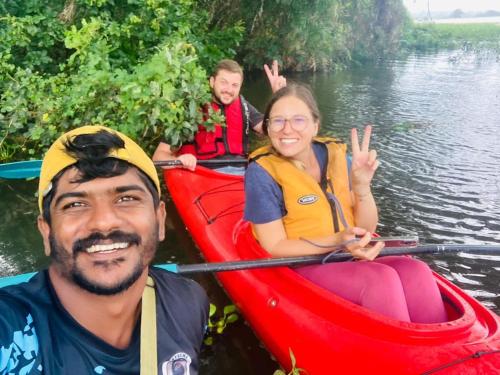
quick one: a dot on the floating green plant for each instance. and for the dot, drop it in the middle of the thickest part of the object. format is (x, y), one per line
(295, 370)
(219, 324)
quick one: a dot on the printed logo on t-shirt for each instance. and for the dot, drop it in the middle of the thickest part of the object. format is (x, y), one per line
(308, 199)
(22, 354)
(178, 364)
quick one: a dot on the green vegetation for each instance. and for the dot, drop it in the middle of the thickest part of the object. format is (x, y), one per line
(312, 34)
(140, 66)
(137, 66)
(295, 370)
(427, 36)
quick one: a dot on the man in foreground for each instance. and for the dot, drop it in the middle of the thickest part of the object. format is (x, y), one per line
(231, 140)
(100, 308)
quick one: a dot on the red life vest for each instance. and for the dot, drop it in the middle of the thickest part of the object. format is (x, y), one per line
(231, 139)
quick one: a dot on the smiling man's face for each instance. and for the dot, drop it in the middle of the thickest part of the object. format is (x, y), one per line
(103, 232)
(226, 86)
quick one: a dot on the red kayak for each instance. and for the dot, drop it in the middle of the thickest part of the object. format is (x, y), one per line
(327, 334)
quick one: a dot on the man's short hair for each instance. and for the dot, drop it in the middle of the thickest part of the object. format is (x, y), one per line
(229, 65)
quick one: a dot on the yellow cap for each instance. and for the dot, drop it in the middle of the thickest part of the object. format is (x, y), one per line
(56, 158)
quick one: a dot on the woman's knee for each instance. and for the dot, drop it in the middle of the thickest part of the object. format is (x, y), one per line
(377, 274)
(406, 265)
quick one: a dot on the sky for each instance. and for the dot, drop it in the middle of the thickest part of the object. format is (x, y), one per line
(445, 5)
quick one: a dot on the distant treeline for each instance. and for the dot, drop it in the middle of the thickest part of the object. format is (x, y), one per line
(457, 13)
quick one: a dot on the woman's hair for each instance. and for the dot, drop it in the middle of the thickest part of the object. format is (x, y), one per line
(299, 91)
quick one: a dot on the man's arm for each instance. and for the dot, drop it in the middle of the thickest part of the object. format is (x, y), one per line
(258, 128)
(255, 119)
(165, 152)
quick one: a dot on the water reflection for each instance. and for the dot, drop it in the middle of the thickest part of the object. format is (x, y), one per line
(21, 248)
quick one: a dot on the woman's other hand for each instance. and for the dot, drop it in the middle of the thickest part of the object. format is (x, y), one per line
(357, 241)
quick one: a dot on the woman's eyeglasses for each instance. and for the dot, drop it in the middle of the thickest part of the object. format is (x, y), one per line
(297, 122)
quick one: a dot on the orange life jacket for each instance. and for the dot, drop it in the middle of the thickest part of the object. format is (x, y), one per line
(313, 210)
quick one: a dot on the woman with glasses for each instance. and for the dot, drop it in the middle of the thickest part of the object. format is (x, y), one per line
(303, 197)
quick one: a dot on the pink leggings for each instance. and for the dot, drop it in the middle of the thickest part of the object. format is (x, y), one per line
(399, 287)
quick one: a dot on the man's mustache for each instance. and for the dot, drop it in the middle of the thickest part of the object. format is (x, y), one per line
(96, 237)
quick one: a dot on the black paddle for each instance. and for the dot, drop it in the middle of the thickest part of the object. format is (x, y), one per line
(176, 163)
(294, 261)
(316, 259)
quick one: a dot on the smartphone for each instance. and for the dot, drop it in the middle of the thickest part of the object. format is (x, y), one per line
(397, 241)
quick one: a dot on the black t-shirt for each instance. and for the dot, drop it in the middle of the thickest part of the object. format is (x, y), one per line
(254, 115)
(38, 336)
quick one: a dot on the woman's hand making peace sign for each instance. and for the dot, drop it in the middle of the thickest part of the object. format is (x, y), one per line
(364, 162)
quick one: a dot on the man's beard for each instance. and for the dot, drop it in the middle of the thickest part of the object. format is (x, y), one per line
(67, 261)
(219, 100)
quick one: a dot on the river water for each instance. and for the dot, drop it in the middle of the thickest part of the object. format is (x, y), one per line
(437, 122)
(437, 134)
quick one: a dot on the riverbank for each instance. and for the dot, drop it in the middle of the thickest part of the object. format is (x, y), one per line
(495, 20)
(452, 35)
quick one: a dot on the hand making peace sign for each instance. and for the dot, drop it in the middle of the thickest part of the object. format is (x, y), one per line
(275, 80)
(364, 162)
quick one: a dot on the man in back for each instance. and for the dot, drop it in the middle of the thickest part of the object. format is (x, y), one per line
(225, 141)
(100, 308)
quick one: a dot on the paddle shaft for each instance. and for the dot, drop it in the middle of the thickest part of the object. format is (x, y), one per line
(292, 261)
(176, 163)
(340, 257)
(31, 168)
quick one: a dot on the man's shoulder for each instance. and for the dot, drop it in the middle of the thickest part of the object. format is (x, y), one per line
(20, 303)
(15, 312)
(25, 291)
(183, 300)
(164, 274)
(244, 101)
(169, 282)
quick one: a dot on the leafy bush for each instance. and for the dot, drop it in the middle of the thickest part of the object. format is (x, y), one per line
(138, 66)
(310, 35)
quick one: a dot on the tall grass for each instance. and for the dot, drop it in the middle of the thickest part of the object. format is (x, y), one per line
(421, 37)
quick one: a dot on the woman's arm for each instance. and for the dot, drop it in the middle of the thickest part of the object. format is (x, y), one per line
(272, 237)
(365, 210)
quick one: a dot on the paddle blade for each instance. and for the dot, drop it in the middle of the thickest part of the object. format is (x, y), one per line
(16, 279)
(20, 169)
